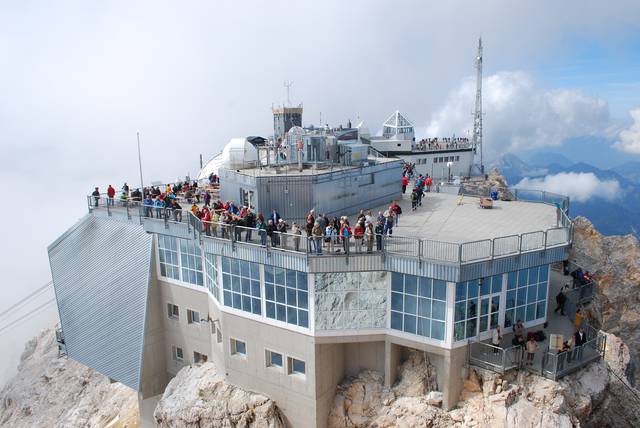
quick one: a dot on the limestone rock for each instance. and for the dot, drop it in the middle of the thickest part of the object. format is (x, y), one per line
(52, 391)
(615, 261)
(483, 187)
(417, 376)
(199, 397)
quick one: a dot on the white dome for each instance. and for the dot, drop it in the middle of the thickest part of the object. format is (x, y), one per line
(238, 153)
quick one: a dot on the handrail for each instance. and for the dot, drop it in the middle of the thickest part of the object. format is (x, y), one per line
(423, 249)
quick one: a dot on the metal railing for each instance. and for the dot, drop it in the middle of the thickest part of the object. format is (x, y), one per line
(62, 346)
(422, 249)
(493, 357)
(555, 365)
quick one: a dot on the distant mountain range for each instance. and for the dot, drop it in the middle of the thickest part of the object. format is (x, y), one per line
(612, 216)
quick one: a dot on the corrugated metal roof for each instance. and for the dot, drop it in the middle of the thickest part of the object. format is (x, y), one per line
(101, 275)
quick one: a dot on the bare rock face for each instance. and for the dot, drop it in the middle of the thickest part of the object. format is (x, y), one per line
(52, 391)
(199, 397)
(615, 261)
(363, 401)
(483, 187)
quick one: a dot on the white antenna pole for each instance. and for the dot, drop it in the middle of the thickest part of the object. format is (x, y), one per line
(477, 120)
(288, 84)
(140, 165)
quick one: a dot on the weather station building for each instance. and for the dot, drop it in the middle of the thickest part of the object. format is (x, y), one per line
(140, 297)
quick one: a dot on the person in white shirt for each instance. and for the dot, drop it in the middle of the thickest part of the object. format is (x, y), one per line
(496, 339)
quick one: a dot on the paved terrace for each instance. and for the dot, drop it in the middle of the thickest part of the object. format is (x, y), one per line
(442, 218)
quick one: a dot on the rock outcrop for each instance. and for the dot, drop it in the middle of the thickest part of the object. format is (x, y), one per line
(615, 261)
(482, 187)
(593, 396)
(52, 391)
(199, 397)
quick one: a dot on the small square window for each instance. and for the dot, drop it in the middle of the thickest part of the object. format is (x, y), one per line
(193, 317)
(238, 347)
(199, 358)
(176, 353)
(295, 366)
(273, 359)
(173, 311)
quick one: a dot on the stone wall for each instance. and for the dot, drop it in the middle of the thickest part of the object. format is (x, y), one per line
(350, 300)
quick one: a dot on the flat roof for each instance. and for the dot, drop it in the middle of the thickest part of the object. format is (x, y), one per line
(291, 169)
(441, 218)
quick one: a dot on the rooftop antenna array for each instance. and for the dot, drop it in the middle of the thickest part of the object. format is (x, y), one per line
(477, 120)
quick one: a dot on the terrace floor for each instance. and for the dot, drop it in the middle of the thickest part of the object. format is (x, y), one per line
(442, 218)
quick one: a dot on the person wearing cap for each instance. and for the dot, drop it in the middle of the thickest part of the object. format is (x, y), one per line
(316, 234)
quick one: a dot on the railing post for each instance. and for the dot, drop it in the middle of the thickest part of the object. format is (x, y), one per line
(459, 253)
(420, 249)
(492, 249)
(545, 240)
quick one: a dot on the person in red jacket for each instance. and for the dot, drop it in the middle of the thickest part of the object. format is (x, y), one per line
(358, 234)
(111, 193)
(405, 182)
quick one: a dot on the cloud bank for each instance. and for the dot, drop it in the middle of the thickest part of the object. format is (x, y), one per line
(629, 138)
(521, 115)
(578, 186)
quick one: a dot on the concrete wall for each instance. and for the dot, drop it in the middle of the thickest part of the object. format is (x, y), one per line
(439, 171)
(154, 363)
(330, 370)
(294, 394)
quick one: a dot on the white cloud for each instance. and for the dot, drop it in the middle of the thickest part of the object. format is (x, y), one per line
(521, 115)
(629, 139)
(578, 186)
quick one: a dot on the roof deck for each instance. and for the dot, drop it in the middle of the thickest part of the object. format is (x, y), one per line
(446, 217)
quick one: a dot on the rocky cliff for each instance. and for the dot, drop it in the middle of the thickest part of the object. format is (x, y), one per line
(615, 261)
(592, 397)
(49, 391)
(483, 187)
(199, 397)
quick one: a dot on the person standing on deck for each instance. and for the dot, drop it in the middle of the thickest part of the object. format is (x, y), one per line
(405, 182)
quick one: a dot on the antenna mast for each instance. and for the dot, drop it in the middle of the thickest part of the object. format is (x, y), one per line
(288, 84)
(477, 121)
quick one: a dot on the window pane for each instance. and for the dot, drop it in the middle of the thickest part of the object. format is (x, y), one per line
(424, 307)
(459, 330)
(276, 359)
(303, 300)
(512, 281)
(542, 291)
(271, 310)
(280, 294)
(460, 311)
(425, 287)
(424, 326)
(438, 309)
(472, 289)
(281, 313)
(471, 328)
(396, 282)
(522, 277)
(396, 320)
(302, 280)
(303, 318)
(533, 275)
(485, 288)
(255, 306)
(396, 302)
(437, 330)
(291, 297)
(543, 275)
(439, 289)
(472, 309)
(496, 284)
(410, 324)
(511, 298)
(292, 315)
(268, 273)
(410, 284)
(410, 304)
(508, 318)
(298, 366)
(291, 278)
(541, 309)
(520, 313)
(532, 294)
(461, 291)
(531, 312)
(522, 296)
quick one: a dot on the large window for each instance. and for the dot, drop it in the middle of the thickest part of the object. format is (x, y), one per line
(168, 254)
(418, 305)
(477, 306)
(180, 259)
(191, 262)
(286, 295)
(241, 285)
(211, 265)
(526, 295)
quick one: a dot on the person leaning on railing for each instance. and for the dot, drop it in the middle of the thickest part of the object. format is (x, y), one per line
(317, 234)
(261, 227)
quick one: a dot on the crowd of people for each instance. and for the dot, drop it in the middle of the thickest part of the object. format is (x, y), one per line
(442, 143)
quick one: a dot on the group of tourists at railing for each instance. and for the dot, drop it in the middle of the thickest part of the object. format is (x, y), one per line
(188, 190)
(442, 143)
(239, 223)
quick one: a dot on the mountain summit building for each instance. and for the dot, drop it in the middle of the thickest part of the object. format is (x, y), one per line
(141, 295)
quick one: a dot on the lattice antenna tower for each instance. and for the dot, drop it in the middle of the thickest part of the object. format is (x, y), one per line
(477, 120)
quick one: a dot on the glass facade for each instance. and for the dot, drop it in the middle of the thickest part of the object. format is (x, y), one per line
(286, 295)
(526, 295)
(470, 295)
(168, 255)
(211, 265)
(180, 259)
(191, 262)
(418, 305)
(241, 285)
